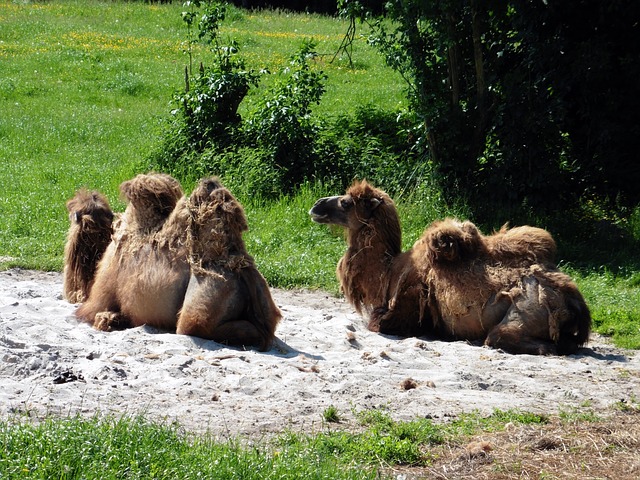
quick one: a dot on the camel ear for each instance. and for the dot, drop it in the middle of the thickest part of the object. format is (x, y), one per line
(125, 189)
(375, 203)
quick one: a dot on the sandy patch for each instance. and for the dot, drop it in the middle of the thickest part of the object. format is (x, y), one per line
(51, 364)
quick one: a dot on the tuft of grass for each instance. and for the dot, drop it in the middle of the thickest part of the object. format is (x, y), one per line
(330, 414)
(577, 414)
(471, 423)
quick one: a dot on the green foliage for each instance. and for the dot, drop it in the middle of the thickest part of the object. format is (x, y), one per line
(384, 441)
(525, 107)
(282, 123)
(206, 113)
(614, 302)
(291, 250)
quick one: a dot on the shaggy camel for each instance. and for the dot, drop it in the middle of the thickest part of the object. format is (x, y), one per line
(159, 253)
(375, 276)
(506, 298)
(89, 235)
(143, 275)
(227, 299)
(480, 292)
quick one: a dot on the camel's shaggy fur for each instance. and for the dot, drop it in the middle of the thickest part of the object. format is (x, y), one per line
(455, 283)
(519, 246)
(89, 235)
(522, 246)
(144, 273)
(375, 276)
(151, 197)
(227, 300)
(167, 247)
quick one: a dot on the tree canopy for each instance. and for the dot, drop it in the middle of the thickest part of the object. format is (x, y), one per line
(522, 104)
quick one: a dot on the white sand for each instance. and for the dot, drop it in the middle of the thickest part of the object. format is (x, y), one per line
(324, 356)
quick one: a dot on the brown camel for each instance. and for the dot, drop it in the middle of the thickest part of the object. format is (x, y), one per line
(455, 282)
(144, 275)
(482, 292)
(376, 277)
(144, 272)
(227, 299)
(89, 235)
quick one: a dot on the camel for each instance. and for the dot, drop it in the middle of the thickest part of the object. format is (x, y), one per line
(89, 235)
(163, 268)
(144, 273)
(454, 283)
(482, 292)
(227, 298)
(376, 277)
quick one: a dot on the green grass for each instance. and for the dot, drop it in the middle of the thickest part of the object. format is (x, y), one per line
(109, 448)
(85, 88)
(614, 302)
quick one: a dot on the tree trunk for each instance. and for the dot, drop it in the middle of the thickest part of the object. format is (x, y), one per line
(481, 87)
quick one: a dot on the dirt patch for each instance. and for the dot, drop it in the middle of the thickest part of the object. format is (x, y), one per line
(599, 448)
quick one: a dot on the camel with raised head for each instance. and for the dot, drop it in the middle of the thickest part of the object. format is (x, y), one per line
(376, 277)
(455, 283)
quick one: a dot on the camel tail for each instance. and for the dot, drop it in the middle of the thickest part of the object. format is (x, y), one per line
(575, 333)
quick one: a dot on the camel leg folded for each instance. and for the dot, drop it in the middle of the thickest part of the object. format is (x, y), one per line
(240, 333)
(109, 321)
(511, 338)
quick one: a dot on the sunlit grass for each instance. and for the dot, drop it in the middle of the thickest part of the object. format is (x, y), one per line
(615, 306)
(85, 86)
(99, 448)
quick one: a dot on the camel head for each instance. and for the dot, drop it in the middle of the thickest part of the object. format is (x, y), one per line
(362, 206)
(90, 211)
(450, 240)
(357, 207)
(152, 197)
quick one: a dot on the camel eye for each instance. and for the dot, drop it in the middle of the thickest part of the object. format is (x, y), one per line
(346, 203)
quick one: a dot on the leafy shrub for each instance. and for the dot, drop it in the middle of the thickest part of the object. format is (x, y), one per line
(282, 123)
(279, 145)
(206, 111)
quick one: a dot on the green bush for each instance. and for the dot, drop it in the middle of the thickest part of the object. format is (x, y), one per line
(280, 144)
